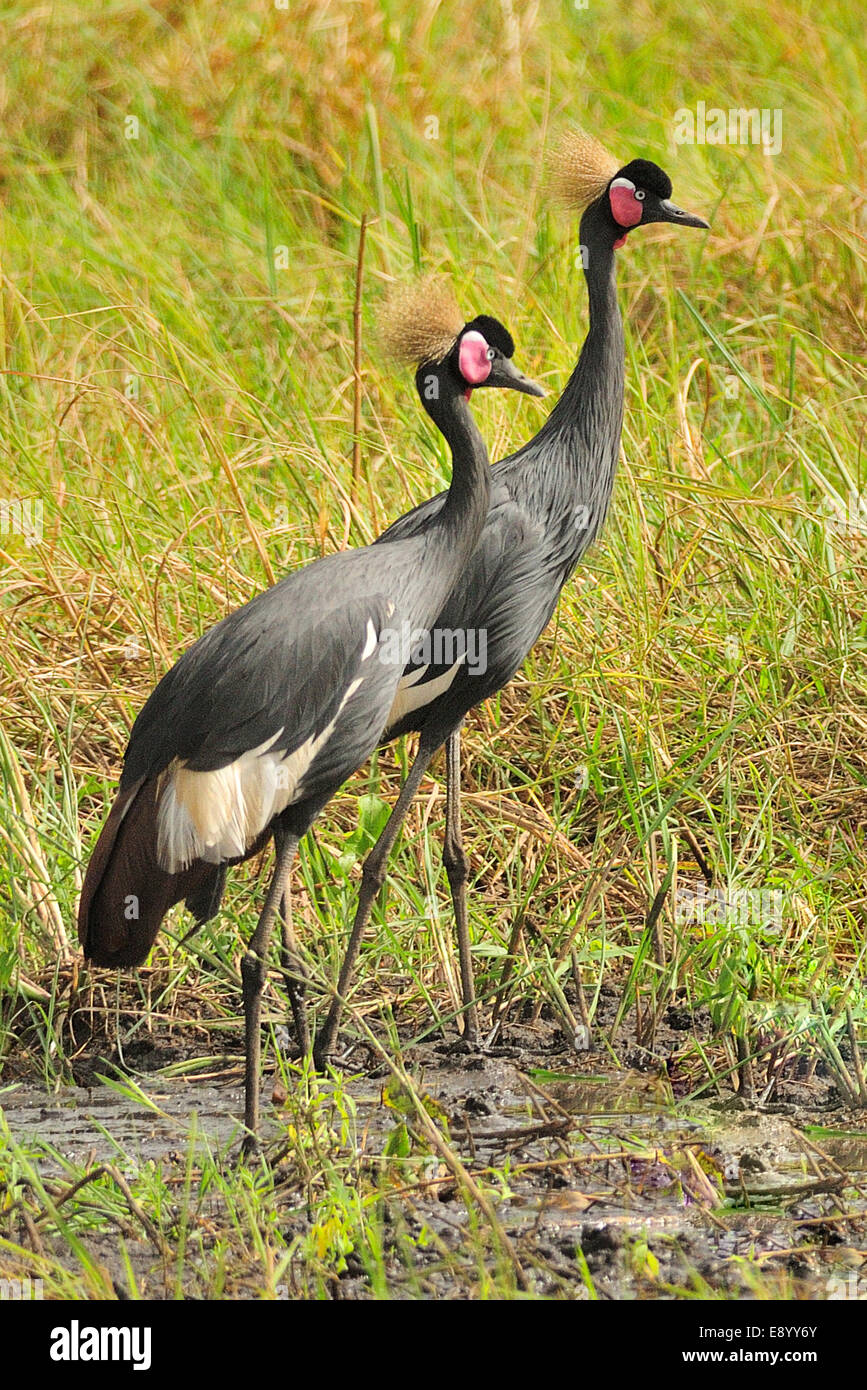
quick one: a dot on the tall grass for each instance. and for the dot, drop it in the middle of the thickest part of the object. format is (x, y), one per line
(181, 190)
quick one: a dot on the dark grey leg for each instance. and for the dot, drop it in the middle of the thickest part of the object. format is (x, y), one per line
(372, 879)
(292, 965)
(254, 969)
(457, 869)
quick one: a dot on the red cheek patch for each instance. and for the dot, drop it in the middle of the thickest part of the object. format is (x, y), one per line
(621, 241)
(473, 359)
(625, 207)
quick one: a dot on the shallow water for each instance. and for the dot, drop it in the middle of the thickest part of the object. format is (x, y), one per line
(607, 1163)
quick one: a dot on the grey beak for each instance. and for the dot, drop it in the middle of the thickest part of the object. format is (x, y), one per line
(506, 374)
(675, 214)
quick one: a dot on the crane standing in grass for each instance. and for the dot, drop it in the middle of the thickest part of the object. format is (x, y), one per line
(548, 502)
(260, 722)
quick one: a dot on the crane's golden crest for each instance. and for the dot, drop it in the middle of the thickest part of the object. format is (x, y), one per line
(579, 169)
(419, 321)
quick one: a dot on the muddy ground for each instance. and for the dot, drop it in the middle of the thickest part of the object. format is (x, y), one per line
(661, 1192)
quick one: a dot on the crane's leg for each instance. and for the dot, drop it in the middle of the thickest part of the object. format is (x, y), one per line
(372, 879)
(296, 975)
(254, 969)
(457, 870)
(292, 964)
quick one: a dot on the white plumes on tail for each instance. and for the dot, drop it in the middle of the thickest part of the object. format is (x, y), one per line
(218, 815)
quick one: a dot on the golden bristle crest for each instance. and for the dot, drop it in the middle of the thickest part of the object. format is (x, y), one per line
(419, 321)
(579, 169)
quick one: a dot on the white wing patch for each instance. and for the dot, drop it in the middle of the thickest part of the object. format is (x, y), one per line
(217, 815)
(411, 696)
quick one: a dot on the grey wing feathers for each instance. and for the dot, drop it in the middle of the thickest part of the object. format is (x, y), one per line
(268, 666)
(508, 550)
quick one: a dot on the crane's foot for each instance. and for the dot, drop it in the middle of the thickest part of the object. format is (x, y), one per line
(251, 1149)
(470, 1031)
(476, 1047)
(323, 1050)
(325, 1041)
(463, 1047)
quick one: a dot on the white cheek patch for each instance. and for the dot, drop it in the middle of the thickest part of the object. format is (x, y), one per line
(626, 209)
(473, 361)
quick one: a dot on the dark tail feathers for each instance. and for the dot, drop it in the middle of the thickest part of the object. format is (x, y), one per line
(126, 894)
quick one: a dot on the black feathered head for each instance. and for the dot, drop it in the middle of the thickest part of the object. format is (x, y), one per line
(421, 325)
(582, 173)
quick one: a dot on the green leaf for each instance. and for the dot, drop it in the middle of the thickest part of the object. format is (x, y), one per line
(398, 1144)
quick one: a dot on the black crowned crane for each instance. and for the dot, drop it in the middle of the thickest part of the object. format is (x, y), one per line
(548, 502)
(265, 716)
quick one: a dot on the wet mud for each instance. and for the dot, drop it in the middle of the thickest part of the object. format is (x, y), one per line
(605, 1182)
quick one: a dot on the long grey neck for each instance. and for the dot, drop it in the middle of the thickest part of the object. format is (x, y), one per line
(600, 364)
(580, 441)
(459, 523)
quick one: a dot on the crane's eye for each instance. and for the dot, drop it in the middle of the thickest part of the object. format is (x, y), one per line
(491, 354)
(640, 194)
